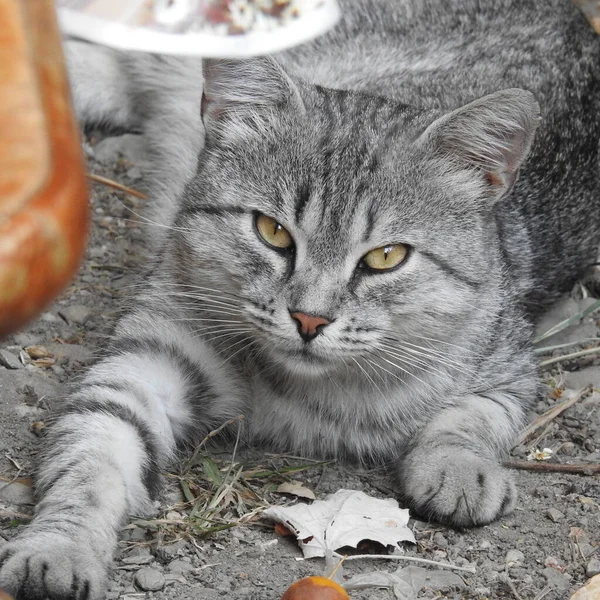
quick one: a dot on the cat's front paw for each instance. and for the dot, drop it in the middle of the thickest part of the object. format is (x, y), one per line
(455, 486)
(45, 565)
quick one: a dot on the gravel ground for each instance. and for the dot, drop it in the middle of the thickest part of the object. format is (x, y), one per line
(547, 548)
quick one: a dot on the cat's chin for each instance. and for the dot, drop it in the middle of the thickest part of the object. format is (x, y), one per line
(303, 364)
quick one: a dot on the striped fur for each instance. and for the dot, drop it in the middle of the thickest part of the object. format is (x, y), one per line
(390, 129)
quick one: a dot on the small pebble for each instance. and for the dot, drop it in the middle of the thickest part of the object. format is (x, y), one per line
(513, 557)
(171, 551)
(554, 515)
(76, 313)
(571, 422)
(138, 560)
(485, 545)
(568, 449)
(556, 579)
(180, 566)
(9, 360)
(593, 567)
(150, 580)
(440, 540)
(16, 493)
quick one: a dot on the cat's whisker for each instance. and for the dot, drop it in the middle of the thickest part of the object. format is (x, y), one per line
(400, 368)
(371, 364)
(189, 287)
(250, 343)
(441, 358)
(212, 335)
(457, 346)
(219, 328)
(419, 358)
(174, 294)
(224, 336)
(367, 375)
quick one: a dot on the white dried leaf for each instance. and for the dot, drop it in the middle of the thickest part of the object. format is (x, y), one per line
(378, 579)
(404, 591)
(296, 489)
(343, 519)
(540, 455)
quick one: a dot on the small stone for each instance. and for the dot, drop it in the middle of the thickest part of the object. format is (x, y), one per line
(443, 580)
(180, 566)
(150, 580)
(520, 451)
(440, 540)
(168, 553)
(76, 314)
(556, 579)
(16, 493)
(514, 557)
(137, 534)
(586, 549)
(138, 560)
(554, 515)
(593, 567)
(9, 360)
(571, 422)
(485, 545)
(568, 449)
(205, 593)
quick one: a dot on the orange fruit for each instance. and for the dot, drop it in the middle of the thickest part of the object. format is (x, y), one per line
(315, 588)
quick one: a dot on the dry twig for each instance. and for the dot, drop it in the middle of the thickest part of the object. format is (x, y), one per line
(550, 415)
(577, 468)
(115, 185)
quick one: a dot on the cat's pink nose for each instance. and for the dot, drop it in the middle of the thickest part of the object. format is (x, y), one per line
(309, 326)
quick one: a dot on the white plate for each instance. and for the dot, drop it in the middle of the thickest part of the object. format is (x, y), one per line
(115, 23)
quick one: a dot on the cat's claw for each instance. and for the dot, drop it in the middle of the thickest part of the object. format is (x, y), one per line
(49, 565)
(455, 486)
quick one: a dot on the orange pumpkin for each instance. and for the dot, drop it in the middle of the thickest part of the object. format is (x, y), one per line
(43, 194)
(315, 588)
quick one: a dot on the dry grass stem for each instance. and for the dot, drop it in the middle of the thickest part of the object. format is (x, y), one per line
(116, 185)
(571, 356)
(423, 561)
(551, 414)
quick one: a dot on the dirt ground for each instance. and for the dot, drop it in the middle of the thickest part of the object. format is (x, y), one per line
(546, 549)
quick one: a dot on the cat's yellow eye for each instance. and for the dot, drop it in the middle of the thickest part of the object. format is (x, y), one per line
(273, 233)
(386, 257)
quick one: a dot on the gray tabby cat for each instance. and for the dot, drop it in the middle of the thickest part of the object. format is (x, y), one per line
(351, 263)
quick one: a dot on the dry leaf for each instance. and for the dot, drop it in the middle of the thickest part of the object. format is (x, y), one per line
(344, 519)
(590, 591)
(37, 428)
(38, 352)
(296, 489)
(44, 362)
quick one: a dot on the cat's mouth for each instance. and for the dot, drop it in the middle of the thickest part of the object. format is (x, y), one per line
(304, 360)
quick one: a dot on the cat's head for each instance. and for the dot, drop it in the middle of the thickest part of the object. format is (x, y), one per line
(340, 227)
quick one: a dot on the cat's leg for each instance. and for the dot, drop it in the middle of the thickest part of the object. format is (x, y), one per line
(451, 473)
(100, 86)
(105, 452)
(591, 278)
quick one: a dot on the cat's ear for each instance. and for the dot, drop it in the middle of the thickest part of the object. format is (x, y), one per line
(492, 136)
(245, 90)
